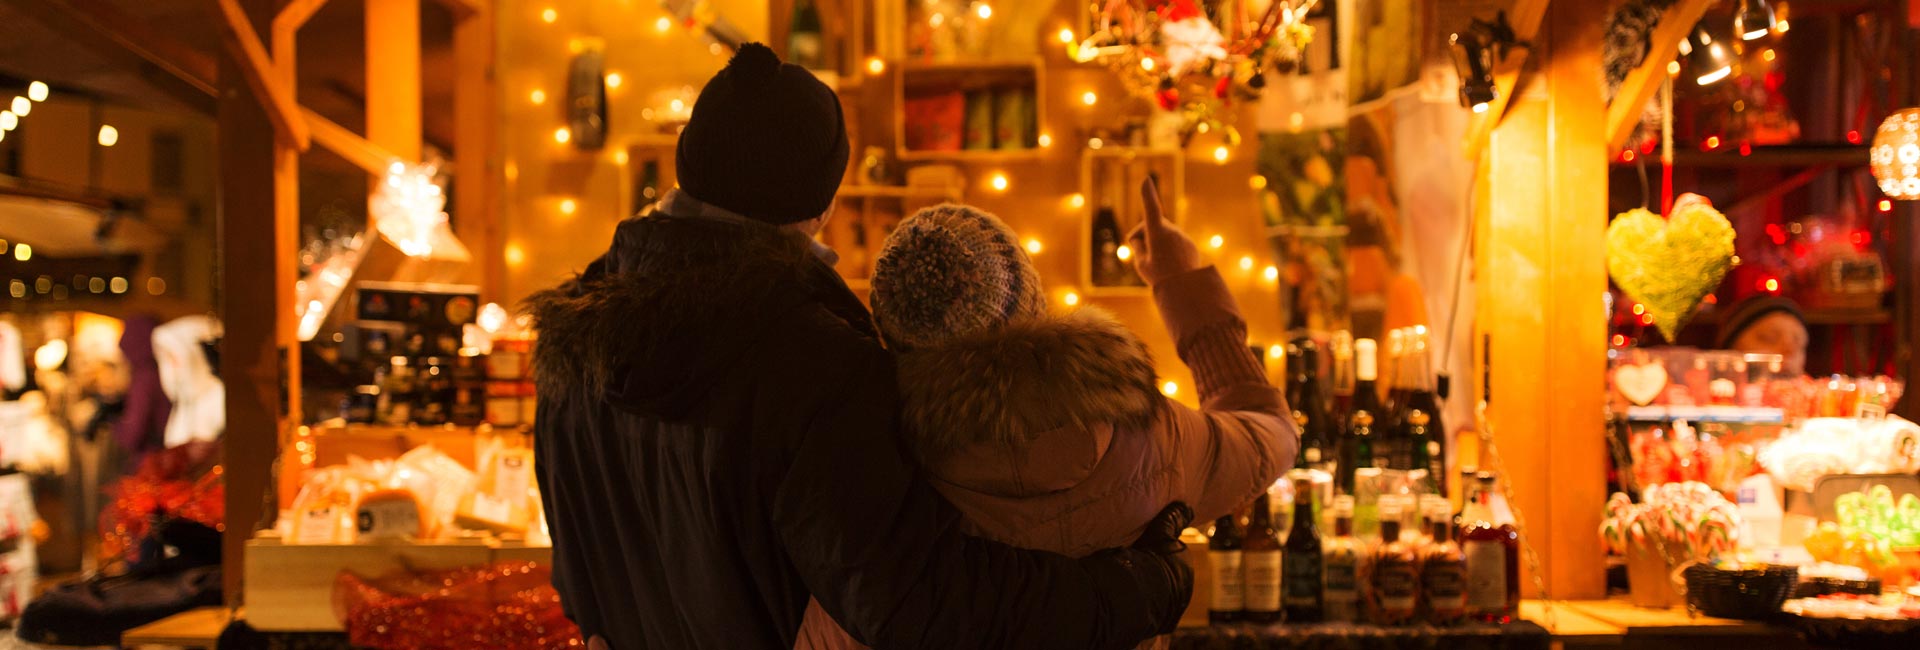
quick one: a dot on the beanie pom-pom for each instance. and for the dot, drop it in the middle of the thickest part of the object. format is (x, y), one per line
(755, 62)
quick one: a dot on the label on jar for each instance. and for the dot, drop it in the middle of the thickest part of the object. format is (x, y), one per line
(1263, 581)
(1229, 593)
(1343, 587)
(1445, 584)
(1486, 576)
(1396, 584)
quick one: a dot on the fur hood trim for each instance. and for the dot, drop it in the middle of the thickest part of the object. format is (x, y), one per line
(1014, 384)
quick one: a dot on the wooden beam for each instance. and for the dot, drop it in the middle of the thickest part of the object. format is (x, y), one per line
(254, 360)
(1640, 85)
(393, 75)
(476, 166)
(261, 76)
(347, 144)
(286, 26)
(1525, 17)
(464, 9)
(295, 14)
(181, 72)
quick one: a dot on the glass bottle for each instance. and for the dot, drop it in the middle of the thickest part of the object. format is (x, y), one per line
(1303, 563)
(1357, 446)
(1261, 555)
(1344, 557)
(1228, 603)
(1492, 549)
(1388, 423)
(1340, 351)
(805, 46)
(1427, 452)
(1394, 586)
(1309, 407)
(1443, 574)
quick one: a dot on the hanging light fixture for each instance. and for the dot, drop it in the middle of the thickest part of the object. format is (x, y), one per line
(1754, 20)
(1474, 53)
(1896, 155)
(1707, 58)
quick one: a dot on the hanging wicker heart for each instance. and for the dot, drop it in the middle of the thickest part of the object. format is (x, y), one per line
(1670, 264)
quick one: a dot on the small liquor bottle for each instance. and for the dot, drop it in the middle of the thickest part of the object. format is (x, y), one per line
(1443, 574)
(1229, 598)
(1394, 586)
(1302, 577)
(1492, 550)
(1345, 559)
(1261, 554)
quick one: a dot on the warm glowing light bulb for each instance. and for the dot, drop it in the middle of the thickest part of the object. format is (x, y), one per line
(1271, 273)
(156, 286)
(662, 24)
(984, 11)
(1673, 68)
(620, 157)
(1077, 200)
(1220, 154)
(1257, 182)
(21, 106)
(1124, 252)
(1070, 299)
(37, 91)
(875, 65)
(1033, 246)
(9, 121)
(562, 135)
(1089, 98)
(1886, 205)
(1216, 242)
(1773, 285)
(538, 97)
(22, 252)
(1276, 351)
(1066, 35)
(613, 80)
(108, 135)
(568, 206)
(1046, 140)
(1171, 388)
(1246, 263)
(118, 285)
(999, 182)
(1146, 63)
(514, 255)
(1480, 107)
(1767, 54)
(548, 15)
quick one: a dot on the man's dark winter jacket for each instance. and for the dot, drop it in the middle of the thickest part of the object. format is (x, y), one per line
(717, 440)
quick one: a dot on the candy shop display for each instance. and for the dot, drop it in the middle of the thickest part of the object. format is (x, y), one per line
(1828, 446)
(422, 495)
(1873, 531)
(1685, 453)
(1672, 526)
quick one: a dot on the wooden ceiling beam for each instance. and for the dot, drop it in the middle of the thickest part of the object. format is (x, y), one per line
(174, 68)
(347, 144)
(1640, 85)
(262, 77)
(1525, 18)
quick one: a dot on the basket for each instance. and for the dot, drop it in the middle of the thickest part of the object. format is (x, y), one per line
(1747, 594)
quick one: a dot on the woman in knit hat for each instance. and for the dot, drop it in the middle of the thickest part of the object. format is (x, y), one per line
(1047, 430)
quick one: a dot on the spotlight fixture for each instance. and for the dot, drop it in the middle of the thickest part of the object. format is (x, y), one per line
(1707, 57)
(1474, 53)
(1754, 20)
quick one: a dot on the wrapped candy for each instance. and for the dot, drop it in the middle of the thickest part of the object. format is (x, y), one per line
(1827, 446)
(1685, 521)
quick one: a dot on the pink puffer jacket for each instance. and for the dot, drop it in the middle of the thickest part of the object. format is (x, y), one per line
(1053, 434)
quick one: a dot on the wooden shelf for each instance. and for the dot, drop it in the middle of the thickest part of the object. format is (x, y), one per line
(973, 155)
(931, 78)
(1791, 155)
(1868, 316)
(1129, 151)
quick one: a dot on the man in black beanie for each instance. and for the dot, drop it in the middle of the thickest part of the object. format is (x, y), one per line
(717, 428)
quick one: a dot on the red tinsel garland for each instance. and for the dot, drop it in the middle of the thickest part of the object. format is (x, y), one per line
(163, 484)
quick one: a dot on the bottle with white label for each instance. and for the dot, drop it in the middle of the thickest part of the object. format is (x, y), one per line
(1394, 587)
(1261, 555)
(1492, 548)
(1345, 560)
(1228, 600)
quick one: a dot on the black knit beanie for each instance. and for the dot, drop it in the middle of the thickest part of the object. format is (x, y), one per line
(766, 140)
(1750, 311)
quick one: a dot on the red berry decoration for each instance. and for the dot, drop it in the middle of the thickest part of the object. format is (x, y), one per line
(1168, 99)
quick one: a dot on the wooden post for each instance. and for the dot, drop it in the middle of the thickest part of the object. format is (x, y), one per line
(253, 359)
(1542, 273)
(475, 172)
(393, 76)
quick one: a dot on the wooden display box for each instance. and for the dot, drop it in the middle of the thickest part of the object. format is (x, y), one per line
(1110, 177)
(289, 587)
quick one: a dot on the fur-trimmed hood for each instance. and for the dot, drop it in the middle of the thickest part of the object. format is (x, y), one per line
(1051, 390)
(672, 304)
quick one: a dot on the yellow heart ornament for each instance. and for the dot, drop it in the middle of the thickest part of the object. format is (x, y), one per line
(1670, 264)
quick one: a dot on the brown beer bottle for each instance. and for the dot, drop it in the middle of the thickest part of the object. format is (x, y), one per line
(1261, 556)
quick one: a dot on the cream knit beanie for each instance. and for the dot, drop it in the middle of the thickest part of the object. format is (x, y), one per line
(951, 271)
